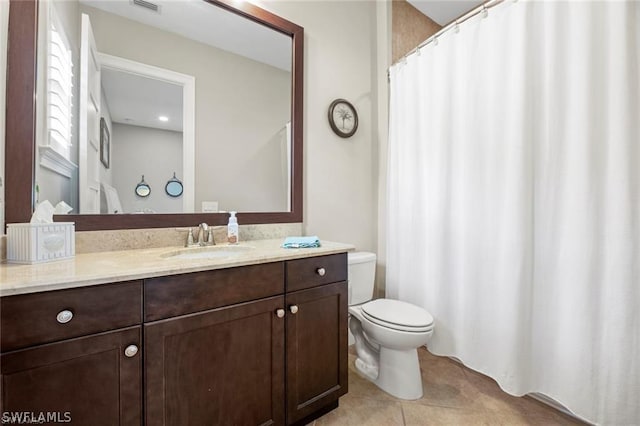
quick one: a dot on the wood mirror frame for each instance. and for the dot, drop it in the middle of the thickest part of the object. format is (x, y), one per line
(21, 129)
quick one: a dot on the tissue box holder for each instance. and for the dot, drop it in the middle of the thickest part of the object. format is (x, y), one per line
(40, 242)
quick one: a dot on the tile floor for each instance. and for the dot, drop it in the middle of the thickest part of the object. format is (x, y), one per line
(453, 395)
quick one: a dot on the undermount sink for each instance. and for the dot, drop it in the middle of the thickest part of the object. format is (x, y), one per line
(210, 252)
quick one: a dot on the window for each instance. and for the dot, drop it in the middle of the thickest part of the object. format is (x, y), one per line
(59, 88)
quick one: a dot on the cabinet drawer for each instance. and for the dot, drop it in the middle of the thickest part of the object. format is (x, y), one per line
(37, 318)
(315, 271)
(166, 297)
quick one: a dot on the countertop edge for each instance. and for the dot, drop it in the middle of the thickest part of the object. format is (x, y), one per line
(164, 268)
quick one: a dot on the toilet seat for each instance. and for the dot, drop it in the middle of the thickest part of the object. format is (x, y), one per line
(398, 315)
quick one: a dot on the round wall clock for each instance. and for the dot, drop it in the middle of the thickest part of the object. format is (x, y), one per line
(343, 118)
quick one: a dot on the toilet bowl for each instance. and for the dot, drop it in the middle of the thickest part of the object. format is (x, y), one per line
(386, 344)
(387, 333)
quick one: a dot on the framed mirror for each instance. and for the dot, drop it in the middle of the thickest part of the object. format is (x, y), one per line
(31, 143)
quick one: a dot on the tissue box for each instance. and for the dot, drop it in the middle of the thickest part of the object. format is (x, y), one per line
(40, 242)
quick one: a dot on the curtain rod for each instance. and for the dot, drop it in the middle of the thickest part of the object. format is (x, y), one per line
(473, 12)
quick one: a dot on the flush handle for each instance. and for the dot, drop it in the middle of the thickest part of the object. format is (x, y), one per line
(131, 351)
(321, 271)
(280, 313)
(293, 309)
(65, 316)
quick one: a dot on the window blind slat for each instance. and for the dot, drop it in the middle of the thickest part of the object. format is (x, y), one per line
(59, 91)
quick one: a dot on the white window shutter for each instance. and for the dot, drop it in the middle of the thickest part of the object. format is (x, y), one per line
(59, 89)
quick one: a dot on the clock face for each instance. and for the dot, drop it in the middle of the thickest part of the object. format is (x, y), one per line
(343, 118)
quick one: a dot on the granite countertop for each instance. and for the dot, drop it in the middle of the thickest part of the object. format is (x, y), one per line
(106, 267)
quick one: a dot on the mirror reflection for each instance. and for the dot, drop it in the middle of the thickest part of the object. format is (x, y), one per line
(187, 89)
(174, 187)
(142, 190)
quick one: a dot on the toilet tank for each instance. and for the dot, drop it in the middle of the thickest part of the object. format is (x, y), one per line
(362, 272)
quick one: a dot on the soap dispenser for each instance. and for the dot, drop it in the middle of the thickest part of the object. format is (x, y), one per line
(232, 229)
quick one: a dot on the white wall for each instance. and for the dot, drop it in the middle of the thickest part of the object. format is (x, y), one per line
(340, 178)
(242, 176)
(383, 61)
(154, 153)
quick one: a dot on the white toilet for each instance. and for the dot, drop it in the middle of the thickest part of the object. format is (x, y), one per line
(387, 332)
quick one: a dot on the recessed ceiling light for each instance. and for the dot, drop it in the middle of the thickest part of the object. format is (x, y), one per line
(163, 118)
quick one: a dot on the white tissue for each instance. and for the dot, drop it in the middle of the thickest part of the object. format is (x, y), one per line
(62, 208)
(45, 211)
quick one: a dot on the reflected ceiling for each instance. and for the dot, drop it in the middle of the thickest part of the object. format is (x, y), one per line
(140, 101)
(208, 25)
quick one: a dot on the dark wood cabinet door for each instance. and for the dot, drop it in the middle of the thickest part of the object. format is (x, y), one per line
(88, 380)
(218, 367)
(316, 349)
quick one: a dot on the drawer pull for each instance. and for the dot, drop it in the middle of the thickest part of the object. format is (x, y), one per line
(131, 351)
(65, 316)
(321, 272)
(280, 313)
(293, 309)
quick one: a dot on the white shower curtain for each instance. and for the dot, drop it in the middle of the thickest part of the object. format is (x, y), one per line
(514, 199)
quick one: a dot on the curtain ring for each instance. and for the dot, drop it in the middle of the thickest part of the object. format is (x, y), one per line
(485, 12)
(456, 28)
(435, 41)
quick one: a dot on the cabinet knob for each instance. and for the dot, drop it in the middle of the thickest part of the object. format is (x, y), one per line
(65, 316)
(321, 271)
(280, 313)
(131, 351)
(293, 309)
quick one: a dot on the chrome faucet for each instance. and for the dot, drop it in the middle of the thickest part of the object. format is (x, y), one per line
(203, 234)
(205, 237)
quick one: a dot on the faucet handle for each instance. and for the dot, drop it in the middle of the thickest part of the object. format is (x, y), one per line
(210, 240)
(190, 238)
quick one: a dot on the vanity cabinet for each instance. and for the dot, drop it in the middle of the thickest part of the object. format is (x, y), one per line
(88, 375)
(216, 351)
(214, 364)
(256, 344)
(316, 298)
(316, 349)
(222, 366)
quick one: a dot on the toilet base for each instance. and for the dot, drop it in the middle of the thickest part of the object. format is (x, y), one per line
(399, 373)
(388, 357)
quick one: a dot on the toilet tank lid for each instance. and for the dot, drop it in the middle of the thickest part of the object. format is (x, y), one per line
(360, 257)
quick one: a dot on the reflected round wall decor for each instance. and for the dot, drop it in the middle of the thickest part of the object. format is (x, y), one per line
(143, 189)
(174, 187)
